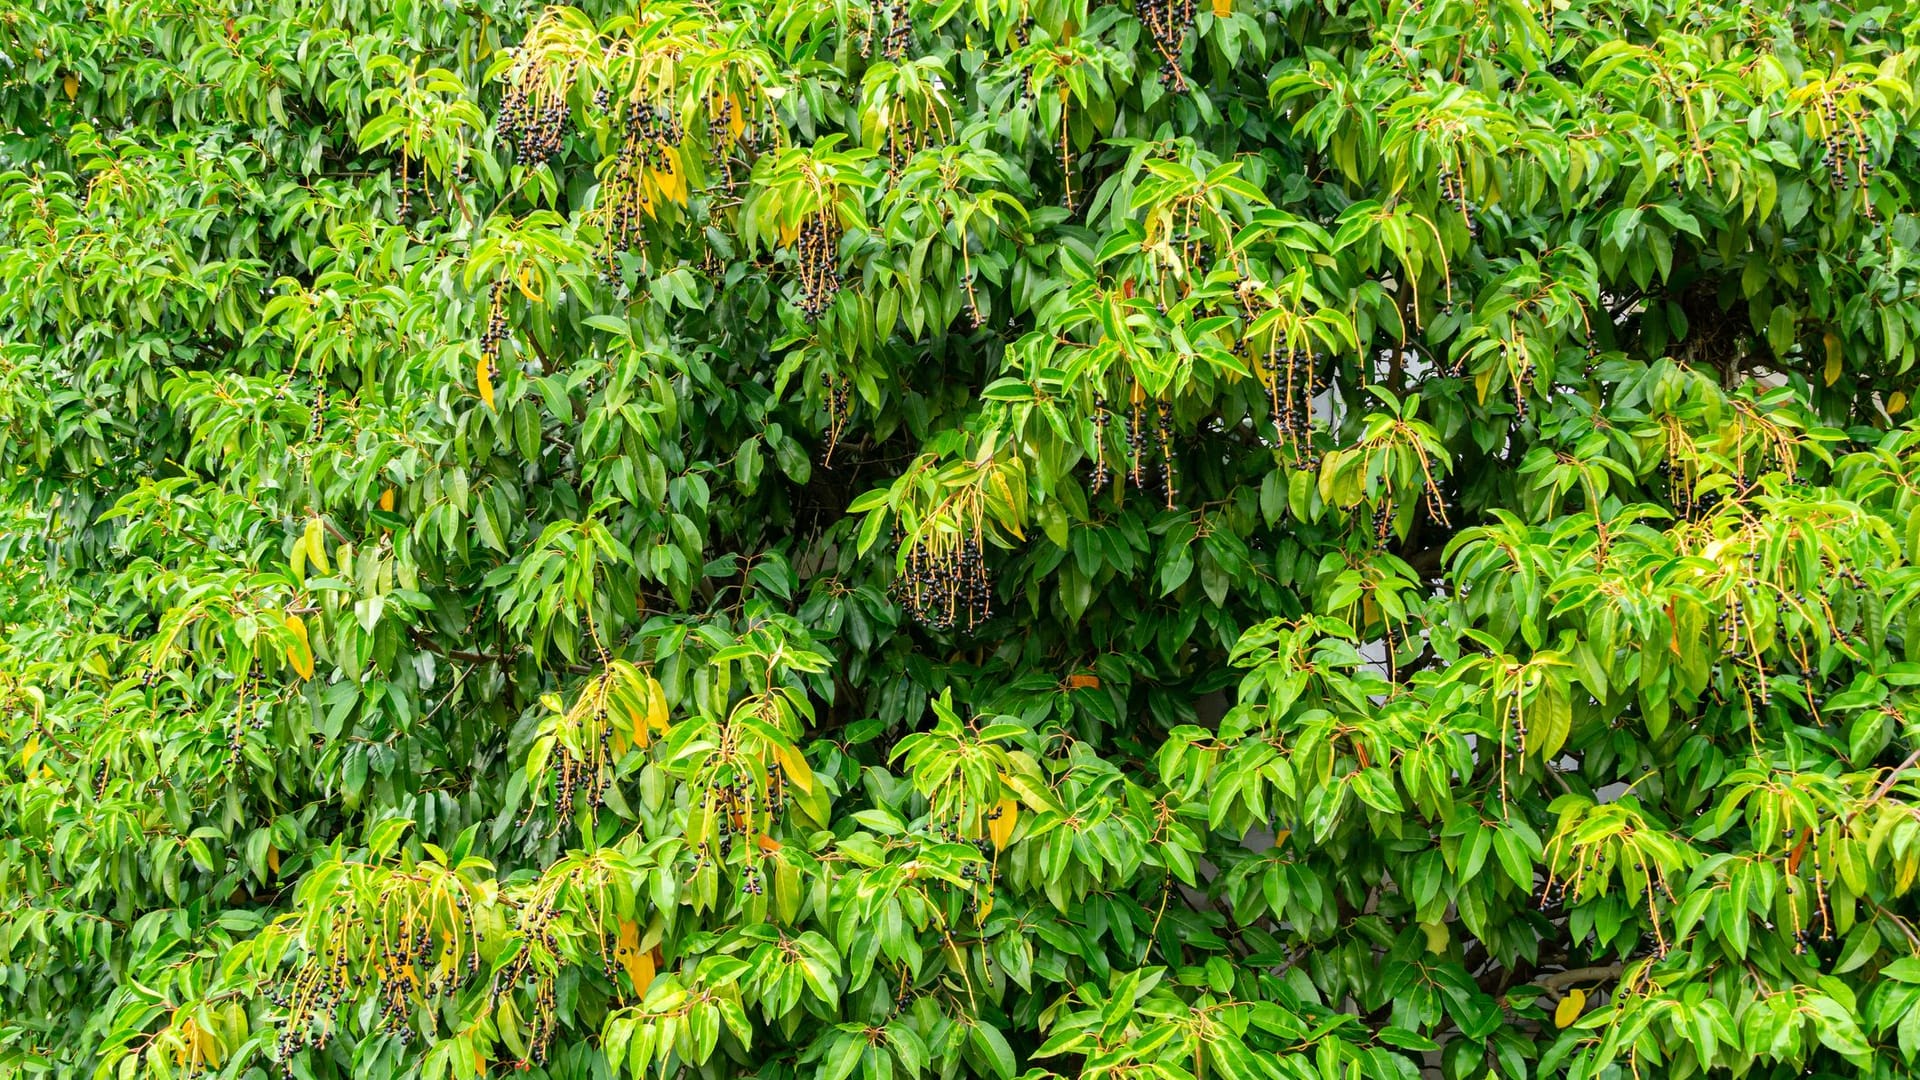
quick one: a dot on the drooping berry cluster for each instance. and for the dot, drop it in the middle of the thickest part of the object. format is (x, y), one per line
(899, 30)
(1291, 379)
(1163, 429)
(1102, 473)
(649, 137)
(1845, 153)
(496, 331)
(723, 113)
(839, 410)
(1382, 525)
(1167, 23)
(533, 115)
(250, 711)
(536, 928)
(819, 257)
(1135, 430)
(946, 583)
(1522, 389)
(317, 418)
(418, 941)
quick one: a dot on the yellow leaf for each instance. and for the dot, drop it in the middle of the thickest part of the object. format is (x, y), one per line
(639, 964)
(197, 1046)
(486, 381)
(33, 747)
(525, 281)
(1570, 1008)
(796, 767)
(1481, 382)
(789, 233)
(656, 706)
(386, 500)
(1222, 8)
(1437, 937)
(72, 85)
(273, 858)
(737, 118)
(1833, 358)
(670, 180)
(1006, 814)
(1897, 402)
(300, 650)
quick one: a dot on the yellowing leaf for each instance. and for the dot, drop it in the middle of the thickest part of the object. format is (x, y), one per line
(639, 964)
(795, 766)
(767, 843)
(656, 707)
(1897, 402)
(737, 117)
(386, 500)
(300, 650)
(1832, 373)
(485, 373)
(1481, 382)
(1437, 937)
(71, 84)
(525, 280)
(789, 233)
(1006, 814)
(671, 181)
(1222, 8)
(1570, 1008)
(316, 542)
(273, 858)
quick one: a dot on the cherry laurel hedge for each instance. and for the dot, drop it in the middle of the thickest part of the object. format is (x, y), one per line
(1238, 540)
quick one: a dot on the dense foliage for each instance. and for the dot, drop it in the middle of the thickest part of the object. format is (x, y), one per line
(973, 538)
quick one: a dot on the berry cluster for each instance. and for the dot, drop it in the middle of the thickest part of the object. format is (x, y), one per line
(649, 133)
(1135, 428)
(533, 114)
(536, 928)
(819, 255)
(733, 807)
(1845, 154)
(496, 331)
(839, 409)
(410, 947)
(1291, 384)
(1163, 429)
(1167, 23)
(1382, 524)
(946, 583)
(899, 30)
(1102, 474)
(317, 416)
(1818, 923)
(249, 712)
(1522, 390)
(591, 776)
